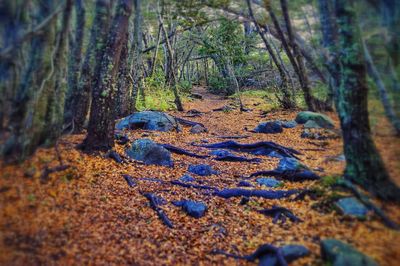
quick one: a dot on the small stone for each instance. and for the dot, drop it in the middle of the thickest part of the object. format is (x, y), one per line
(268, 182)
(289, 164)
(195, 209)
(197, 129)
(272, 127)
(338, 253)
(244, 201)
(352, 207)
(187, 179)
(221, 153)
(202, 170)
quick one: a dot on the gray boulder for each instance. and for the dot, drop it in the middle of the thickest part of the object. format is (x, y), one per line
(352, 207)
(149, 152)
(338, 253)
(311, 124)
(149, 120)
(202, 170)
(321, 119)
(272, 127)
(196, 129)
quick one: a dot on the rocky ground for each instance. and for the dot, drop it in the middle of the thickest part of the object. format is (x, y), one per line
(88, 214)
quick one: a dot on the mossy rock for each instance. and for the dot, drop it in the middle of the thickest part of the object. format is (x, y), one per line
(149, 152)
(322, 120)
(338, 253)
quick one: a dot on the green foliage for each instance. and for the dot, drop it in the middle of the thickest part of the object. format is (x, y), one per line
(185, 86)
(158, 95)
(329, 181)
(217, 84)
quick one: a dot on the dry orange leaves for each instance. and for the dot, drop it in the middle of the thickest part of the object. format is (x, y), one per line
(87, 214)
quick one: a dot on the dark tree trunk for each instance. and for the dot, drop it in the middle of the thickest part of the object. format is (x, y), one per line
(123, 83)
(178, 102)
(136, 55)
(299, 59)
(364, 164)
(101, 123)
(329, 37)
(81, 97)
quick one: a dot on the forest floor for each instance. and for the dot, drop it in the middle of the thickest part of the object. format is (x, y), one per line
(88, 214)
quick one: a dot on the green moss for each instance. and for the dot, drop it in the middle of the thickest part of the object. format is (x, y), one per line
(328, 181)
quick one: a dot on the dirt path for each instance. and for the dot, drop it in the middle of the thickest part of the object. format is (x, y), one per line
(88, 214)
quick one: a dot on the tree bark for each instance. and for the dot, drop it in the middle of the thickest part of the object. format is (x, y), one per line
(81, 98)
(101, 123)
(364, 164)
(287, 101)
(30, 101)
(75, 59)
(178, 102)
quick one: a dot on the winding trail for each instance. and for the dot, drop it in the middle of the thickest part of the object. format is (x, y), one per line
(89, 215)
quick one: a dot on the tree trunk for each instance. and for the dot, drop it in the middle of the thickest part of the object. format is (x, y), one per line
(123, 82)
(75, 59)
(206, 70)
(299, 59)
(364, 164)
(101, 123)
(178, 102)
(287, 101)
(81, 97)
(154, 61)
(30, 102)
(136, 69)
(55, 109)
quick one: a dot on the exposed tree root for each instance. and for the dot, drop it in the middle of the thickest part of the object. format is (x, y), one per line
(266, 194)
(234, 158)
(115, 156)
(280, 213)
(154, 204)
(189, 185)
(188, 122)
(177, 150)
(294, 176)
(233, 137)
(258, 148)
(129, 180)
(263, 254)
